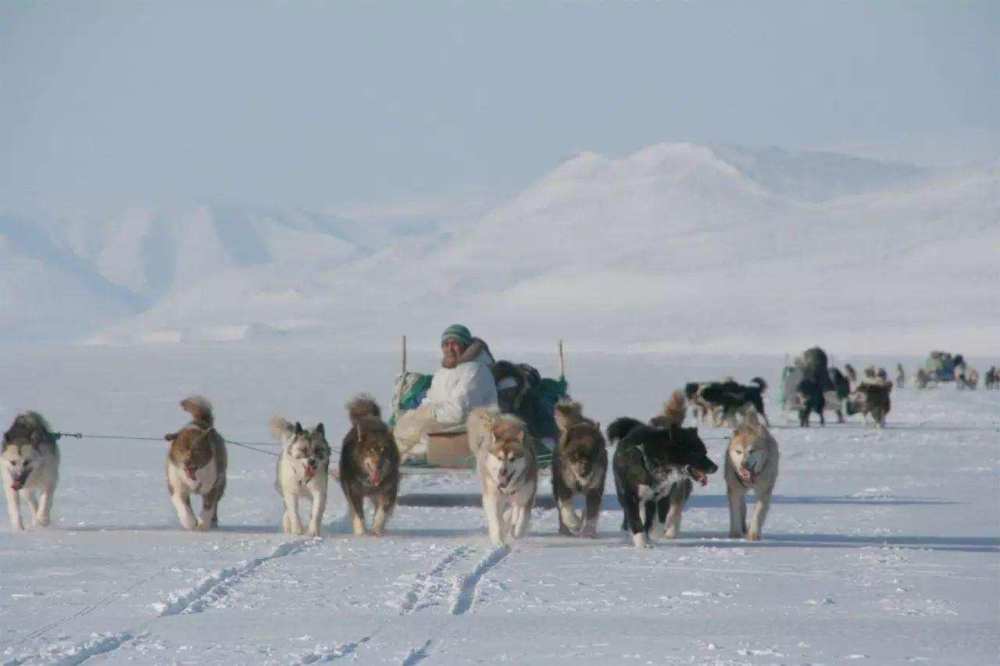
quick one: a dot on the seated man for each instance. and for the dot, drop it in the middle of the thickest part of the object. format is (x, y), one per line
(463, 382)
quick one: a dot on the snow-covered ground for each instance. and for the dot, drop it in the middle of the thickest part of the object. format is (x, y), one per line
(882, 546)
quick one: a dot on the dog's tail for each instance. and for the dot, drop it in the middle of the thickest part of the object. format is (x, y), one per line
(363, 406)
(759, 381)
(620, 428)
(567, 413)
(200, 410)
(280, 427)
(675, 409)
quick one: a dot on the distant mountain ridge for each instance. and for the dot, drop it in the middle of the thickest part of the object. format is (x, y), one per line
(675, 246)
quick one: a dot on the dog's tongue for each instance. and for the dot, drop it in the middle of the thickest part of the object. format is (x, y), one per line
(745, 474)
(17, 485)
(191, 471)
(375, 478)
(310, 471)
(703, 480)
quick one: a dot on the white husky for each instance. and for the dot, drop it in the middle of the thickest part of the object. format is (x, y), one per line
(303, 471)
(751, 464)
(29, 468)
(505, 459)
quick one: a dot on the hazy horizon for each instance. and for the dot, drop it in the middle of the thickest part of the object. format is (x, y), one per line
(445, 104)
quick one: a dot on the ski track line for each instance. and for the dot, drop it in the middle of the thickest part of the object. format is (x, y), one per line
(324, 654)
(464, 588)
(217, 585)
(430, 586)
(417, 655)
(214, 586)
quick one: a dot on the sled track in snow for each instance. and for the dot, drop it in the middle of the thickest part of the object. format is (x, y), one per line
(217, 585)
(429, 588)
(466, 587)
(194, 600)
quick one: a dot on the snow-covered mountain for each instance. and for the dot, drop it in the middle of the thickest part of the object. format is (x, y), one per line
(676, 246)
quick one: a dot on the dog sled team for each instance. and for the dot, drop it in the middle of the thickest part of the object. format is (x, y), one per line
(655, 464)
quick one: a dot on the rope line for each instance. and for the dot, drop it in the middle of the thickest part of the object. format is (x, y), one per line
(252, 446)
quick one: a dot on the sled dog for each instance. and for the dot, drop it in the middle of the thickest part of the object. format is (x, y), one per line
(369, 465)
(505, 461)
(196, 465)
(29, 468)
(303, 471)
(751, 464)
(650, 466)
(669, 509)
(579, 466)
(871, 397)
(725, 400)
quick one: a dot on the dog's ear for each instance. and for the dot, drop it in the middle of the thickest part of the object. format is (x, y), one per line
(36, 438)
(320, 430)
(520, 435)
(298, 428)
(170, 436)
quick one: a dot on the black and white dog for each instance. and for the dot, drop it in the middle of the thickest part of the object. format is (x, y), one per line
(728, 399)
(650, 466)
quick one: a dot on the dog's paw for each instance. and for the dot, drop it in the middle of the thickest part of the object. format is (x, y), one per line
(313, 531)
(753, 536)
(671, 533)
(188, 522)
(589, 532)
(41, 521)
(202, 526)
(640, 540)
(733, 534)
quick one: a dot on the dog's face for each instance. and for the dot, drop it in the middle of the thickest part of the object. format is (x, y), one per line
(191, 450)
(580, 447)
(748, 454)
(374, 443)
(686, 455)
(18, 458)
(308, 449)
(507, 457)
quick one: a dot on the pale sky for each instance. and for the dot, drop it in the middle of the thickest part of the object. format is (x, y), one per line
(323, 103)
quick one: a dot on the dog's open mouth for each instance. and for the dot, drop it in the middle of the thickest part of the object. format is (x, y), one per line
(310, 471)
(697, 475)
(745, 475)
(191, 472)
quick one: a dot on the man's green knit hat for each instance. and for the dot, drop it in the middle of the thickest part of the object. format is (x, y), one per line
(457, 332)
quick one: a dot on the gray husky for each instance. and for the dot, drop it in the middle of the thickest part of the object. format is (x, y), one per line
(29, 467)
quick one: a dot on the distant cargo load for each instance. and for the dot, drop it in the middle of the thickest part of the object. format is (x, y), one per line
(942, 366)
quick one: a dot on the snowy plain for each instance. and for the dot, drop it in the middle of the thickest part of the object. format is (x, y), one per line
(882, 547)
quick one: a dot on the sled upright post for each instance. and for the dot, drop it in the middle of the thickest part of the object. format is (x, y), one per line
(562, 361)
(404, 354)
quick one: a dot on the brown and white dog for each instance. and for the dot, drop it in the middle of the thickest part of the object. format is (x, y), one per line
(505, 459)
(196, 465)
(29, 468)
(369, 465)
(303, 471)
(871, 397)
(579, 466)
(751, 464)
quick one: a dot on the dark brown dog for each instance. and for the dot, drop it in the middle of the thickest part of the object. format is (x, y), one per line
(369, 464)
(579, 466)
